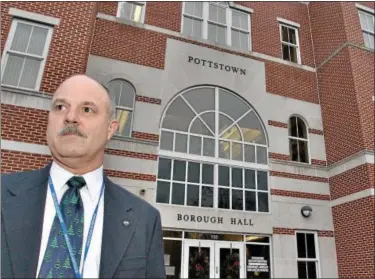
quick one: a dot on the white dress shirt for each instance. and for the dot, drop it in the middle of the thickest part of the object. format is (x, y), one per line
(90, 195)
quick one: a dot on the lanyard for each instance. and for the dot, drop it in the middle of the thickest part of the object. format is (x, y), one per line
(65, 231)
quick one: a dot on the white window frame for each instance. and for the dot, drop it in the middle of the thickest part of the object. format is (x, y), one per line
(140, 3)
(300, 139)
(216, 161)
(366, 12)
(205, 19)
(42, 58)
(132, 110)
(291, 25)
(317, 254)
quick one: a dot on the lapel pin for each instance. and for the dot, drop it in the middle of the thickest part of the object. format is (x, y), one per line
(126, 223)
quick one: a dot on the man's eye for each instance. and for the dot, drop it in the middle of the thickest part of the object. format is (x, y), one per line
(59, 107)
(87, 109)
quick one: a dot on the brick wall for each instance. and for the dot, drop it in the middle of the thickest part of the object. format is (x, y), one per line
(352, 181)
(109, 8)
(354, 235)
(71, 39)
(166, 15)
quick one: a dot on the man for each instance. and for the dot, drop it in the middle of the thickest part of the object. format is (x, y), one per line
(101, 230)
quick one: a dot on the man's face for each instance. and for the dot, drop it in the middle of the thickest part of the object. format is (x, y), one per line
(79, 123)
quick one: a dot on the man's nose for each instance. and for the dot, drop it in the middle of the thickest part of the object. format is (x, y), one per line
(71, 116)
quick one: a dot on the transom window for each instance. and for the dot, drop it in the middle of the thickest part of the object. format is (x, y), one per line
(131, 10)
(290, 43)
(367, 25)
(298, 140)
(124, 95)
(213, 152)
(218, 23)
(25, 54)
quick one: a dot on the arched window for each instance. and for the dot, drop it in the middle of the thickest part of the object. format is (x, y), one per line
(298, 140)
(124, 94)
(213, 152)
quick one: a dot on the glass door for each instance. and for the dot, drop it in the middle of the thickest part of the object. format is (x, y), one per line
(229, 260)
(198, 259)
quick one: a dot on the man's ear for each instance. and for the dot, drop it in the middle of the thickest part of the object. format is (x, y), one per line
(112, 128)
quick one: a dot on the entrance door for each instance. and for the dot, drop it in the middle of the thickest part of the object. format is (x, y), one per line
(213, 259)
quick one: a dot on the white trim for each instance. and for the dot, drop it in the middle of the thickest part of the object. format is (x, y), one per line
(43, 57)
(34, 16)
(288, 22)
(364, 8)
(239, 7)
(363, 157)
(206, 42)
(352, 197)
(25, 147)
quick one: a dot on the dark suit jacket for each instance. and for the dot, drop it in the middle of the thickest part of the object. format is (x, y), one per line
(133, 251)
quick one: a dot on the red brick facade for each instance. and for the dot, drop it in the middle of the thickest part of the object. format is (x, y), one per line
(288, 231)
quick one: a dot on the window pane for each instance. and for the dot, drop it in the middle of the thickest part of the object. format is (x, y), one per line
(207, 196)
(179, 169)
(124, 118)
(284, 34)
(250, 153)
(208, 147)
(224, 123)
(301, 245)
(197, 28)
(250, 179)
(193, 172)
(38, 40)
(195, 145)
(114, 88)
(371, 40)
(237, 199)
(262, 180)
(189, 8)
(223, 198)
(187, 25)
(292, 36)
(262, 202)
(237, 180)
(366, 38)
(293, 148)
(293, 54)
(223, 176)
(166, 141)
(127, 95)
(250, 201)
(236, 19)
(199, 128)
(12, 70)
(286, 55)
(211, 36)
(237, 151)
(213, 13)
(198, 9)
(136, 13)
(221, 35)
(21, 37)
(178, 193)
(162, 192)
(178, 116)
(370, 22)
(244, 40)
(192, 198)
(207, 174)
(261, 155)
(245, 22)
(302, 270)
(164, 169)
(303, 152)
(224, 149)
(236, 39)
(310, 245)
(126, 10)
(209, 119)
(252, 129)
(222, 15)
(301, 128)
(293, 126)
(201, 99)
(181, 143)
(311, 270)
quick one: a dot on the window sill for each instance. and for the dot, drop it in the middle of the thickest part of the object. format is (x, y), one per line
(130, 139)
(25, 91)
(297, 164)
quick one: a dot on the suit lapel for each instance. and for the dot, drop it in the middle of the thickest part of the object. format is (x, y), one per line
(118, 228)
(23, 214)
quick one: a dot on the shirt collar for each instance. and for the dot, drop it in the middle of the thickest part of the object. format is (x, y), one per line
(94, 180)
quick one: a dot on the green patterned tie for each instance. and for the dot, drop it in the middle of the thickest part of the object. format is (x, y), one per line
(57, 262)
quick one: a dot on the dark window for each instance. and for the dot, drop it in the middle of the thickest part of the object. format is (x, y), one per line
(306, 253)
(298, 142)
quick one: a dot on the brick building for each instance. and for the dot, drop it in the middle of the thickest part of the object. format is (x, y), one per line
(237, 118)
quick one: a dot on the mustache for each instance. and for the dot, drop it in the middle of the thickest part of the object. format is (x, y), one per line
(71, 129)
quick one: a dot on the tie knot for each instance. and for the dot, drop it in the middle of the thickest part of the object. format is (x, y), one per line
(76, 182)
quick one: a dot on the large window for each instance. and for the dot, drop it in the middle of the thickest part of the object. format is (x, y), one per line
(25, 54)
(307, 255)
(218, 23)
(367, 25)
(131, 10)
(213, 153)
(124, 95)
(290, 43)
(298, 140)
